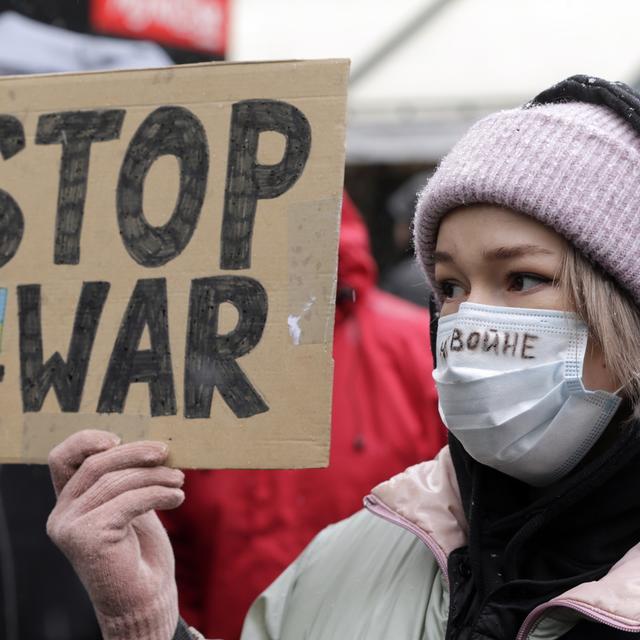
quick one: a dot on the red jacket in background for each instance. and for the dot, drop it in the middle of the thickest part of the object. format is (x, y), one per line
(238, 530)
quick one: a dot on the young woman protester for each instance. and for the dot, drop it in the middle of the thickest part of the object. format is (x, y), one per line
(528, 525)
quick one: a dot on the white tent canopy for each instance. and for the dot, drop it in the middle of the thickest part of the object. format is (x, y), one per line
(424, 70)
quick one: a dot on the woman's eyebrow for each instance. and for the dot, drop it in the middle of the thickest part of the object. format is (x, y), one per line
(499, 253)
(515, 251)
(442, 256)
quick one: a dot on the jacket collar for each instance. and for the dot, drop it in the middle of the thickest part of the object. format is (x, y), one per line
(427, 496)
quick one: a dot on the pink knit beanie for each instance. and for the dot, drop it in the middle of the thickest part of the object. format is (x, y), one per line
(573, 166)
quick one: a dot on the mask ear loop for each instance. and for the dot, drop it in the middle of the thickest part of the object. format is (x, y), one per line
(576, 344)
(619, 389)
(617, 392)
(434, 316)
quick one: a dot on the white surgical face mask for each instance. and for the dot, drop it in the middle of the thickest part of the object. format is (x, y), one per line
(510, 387)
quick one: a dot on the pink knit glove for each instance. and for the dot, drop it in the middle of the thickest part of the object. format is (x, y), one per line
(105, 525)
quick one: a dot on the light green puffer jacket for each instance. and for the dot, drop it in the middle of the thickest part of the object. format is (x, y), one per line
(380, 575)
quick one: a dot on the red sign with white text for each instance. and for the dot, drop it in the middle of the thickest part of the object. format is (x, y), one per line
(188, 24)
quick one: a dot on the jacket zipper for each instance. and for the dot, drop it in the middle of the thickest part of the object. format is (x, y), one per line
(378, 508)
(588, 612)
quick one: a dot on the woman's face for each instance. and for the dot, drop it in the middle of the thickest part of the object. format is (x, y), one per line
(491, 255)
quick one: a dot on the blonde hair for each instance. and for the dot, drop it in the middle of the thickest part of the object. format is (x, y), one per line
(612, 316)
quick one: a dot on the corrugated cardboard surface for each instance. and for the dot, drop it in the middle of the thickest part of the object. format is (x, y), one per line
(294, 253)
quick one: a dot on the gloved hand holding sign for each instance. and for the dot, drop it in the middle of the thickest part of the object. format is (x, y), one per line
(104, 523)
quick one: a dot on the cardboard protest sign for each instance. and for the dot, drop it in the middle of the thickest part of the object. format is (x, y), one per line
(168, 246)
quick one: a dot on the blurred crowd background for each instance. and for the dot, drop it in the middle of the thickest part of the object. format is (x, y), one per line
(422, 72)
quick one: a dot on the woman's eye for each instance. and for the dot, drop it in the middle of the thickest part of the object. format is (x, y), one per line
(526, 281)
(451, 290)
